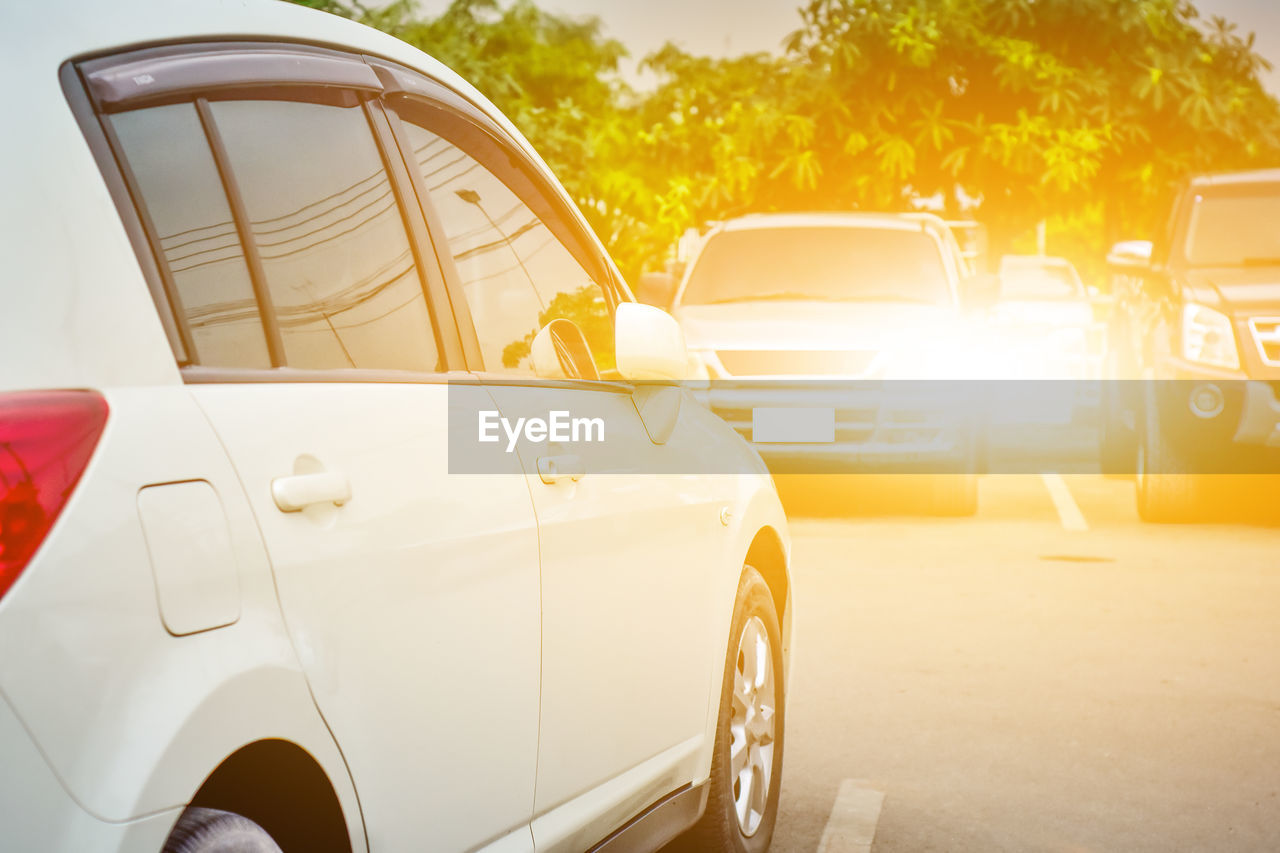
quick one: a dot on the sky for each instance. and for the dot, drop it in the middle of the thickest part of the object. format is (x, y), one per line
(729, 27)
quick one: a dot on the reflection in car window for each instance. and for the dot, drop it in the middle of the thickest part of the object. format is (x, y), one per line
(334, 249)
(829, 263)
(170, 158)
(517, 276)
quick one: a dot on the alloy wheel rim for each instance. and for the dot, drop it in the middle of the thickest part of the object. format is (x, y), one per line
(751, 726)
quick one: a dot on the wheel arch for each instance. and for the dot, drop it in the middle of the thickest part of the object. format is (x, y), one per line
(284, 789)
(257, 745)
(768, 556)
(760, 538)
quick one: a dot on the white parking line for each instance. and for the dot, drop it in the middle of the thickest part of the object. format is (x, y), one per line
(1068, 511)
(852, 825)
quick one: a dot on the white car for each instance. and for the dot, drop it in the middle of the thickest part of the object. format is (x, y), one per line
(1045, 317)
(812, 311)
(265, 272)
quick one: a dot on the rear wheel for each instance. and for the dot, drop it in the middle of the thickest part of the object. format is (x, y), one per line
(746, 765)
(214, 831)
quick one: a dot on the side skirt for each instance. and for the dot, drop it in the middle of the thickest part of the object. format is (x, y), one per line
(659, 824)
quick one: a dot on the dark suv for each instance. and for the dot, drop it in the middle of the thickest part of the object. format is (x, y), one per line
(1196, 327)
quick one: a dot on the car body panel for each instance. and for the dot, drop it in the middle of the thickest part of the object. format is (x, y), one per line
(424, 585)
(137, 718)
(758, 513)
(86, 609)
(41, 815)
(618, 624)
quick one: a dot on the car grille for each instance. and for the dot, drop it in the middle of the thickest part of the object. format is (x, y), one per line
(1266, 334)
(797, 362)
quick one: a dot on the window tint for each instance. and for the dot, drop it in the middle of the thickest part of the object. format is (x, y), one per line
(170, 158)
(517, 276)
(327, 227)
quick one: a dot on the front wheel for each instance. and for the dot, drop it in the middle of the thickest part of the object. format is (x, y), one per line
(1167, 489)
(746, 765)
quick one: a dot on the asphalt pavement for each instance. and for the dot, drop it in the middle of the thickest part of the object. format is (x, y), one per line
(1051, 675)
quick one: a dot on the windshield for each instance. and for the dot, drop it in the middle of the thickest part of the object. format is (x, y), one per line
(1235, 229)
(831, 264)
(1040, 282)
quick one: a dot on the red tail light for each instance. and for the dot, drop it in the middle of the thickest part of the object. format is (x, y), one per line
(46, 440)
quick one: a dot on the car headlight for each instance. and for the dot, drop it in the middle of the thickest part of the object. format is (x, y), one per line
(1208, 338)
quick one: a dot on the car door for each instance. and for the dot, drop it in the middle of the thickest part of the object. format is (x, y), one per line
(318, 353)
(630, 558)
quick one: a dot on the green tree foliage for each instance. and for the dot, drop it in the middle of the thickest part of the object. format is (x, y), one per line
(556, 77)
(1037, 107)
(1082, 112)
(584, 308)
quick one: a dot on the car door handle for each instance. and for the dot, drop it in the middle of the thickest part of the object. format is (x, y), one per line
(294, 493)
(553, 469)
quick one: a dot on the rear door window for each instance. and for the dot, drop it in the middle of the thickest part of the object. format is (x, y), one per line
(174, 169)
(325, 222)
(274, 216)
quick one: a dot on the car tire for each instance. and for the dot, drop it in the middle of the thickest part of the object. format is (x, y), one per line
(954, 495)
(1166, 491)
(741, 812)
(215, 831)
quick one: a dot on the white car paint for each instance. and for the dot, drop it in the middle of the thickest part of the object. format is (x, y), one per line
(407, 640)
(421, 572)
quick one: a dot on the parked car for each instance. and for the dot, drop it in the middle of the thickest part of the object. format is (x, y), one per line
(1197, 317)
(1045, 317)
(791, 310)
(258, 260)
